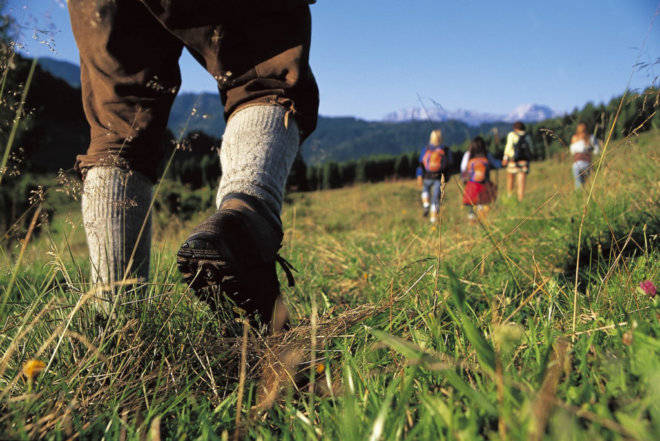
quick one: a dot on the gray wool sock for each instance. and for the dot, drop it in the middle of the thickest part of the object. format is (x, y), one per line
(115, 202)
(257, 153)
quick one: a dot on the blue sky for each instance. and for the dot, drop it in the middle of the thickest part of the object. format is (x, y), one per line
(375, 57)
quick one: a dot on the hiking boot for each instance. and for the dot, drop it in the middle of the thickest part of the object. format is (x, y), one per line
(425, 213)
(233, 254)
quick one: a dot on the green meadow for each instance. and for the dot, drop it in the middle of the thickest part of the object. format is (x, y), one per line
(529, 324)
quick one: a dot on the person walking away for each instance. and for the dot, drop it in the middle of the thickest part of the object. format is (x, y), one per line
(432, 172)
(479, 190)
(258, 52)
(583, 147)
(517, 155)
(466, 159)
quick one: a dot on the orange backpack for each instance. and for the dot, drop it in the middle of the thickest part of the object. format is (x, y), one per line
(478, 170)
(434, 159)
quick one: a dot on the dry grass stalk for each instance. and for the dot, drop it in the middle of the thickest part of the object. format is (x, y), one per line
(544, 402)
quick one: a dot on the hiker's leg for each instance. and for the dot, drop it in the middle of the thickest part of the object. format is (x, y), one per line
(522, 179)
(258, 149)
(426, 196)
(580, 171)
(258, 51)
(509, 182)
(118, 227)
(271, 103)
(575, 168)
(436, 194)
(129, 77)
(470, 211)
(435, 199)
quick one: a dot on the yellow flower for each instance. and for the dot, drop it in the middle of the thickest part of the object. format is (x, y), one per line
(32, 368)
(320, 368)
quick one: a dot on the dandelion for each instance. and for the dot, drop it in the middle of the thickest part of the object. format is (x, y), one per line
(32, 369)
(648, 288)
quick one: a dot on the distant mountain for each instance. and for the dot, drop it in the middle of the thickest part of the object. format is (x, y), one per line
(525, 113)
(439, 114)
(531, 113)
(63, 70)
(197, 112)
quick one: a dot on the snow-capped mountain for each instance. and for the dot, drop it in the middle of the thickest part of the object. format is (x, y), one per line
(525, 112)
(531, 113)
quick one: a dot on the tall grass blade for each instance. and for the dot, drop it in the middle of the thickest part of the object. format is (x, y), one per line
(418, 356)
(17, 120)
(485, 351)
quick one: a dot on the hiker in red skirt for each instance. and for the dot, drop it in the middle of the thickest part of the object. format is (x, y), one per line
(479, 190)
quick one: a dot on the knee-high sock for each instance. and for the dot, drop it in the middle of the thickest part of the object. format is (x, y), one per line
(258, 149)
(115, 203)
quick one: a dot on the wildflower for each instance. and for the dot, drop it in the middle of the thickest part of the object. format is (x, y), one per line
(648, 288)
(32, 369)
(320, 368)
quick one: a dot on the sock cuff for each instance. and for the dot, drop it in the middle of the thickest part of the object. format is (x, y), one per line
(258, 149)
(263, 118)
(115, 203)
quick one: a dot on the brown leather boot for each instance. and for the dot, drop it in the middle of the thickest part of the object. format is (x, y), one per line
(233, 253)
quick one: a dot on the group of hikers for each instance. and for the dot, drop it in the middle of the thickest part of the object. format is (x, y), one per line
(479, 191)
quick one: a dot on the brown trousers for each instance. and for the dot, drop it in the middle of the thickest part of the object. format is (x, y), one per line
(257, 50)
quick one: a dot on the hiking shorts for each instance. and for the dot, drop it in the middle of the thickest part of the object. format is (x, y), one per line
(517, 167)
(257, 51)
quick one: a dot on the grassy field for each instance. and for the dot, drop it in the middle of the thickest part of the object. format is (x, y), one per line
(529, 324)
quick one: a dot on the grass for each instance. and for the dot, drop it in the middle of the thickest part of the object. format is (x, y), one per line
(495, 330)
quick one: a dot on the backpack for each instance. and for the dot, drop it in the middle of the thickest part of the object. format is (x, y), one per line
(521, 150)
(478, 170)
(434, 159)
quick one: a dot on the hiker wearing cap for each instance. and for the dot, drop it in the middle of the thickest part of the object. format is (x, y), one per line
(517, 155)
(583, 146)
(258, 53)
(479, 190)
(432, 173)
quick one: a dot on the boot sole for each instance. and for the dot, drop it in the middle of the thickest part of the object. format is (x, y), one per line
(203, 269)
